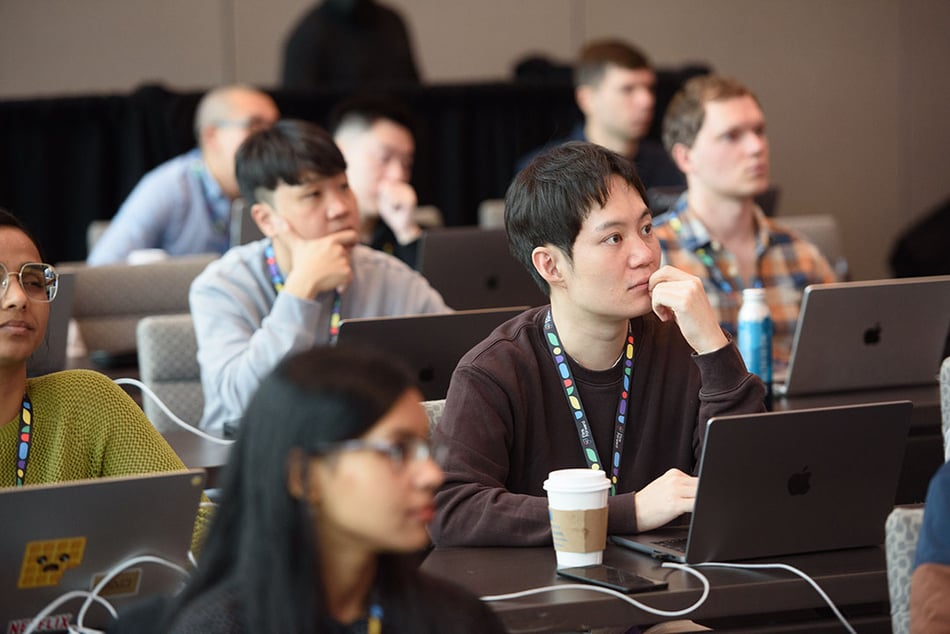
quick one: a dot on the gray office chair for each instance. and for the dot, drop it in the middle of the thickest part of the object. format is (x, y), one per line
(900, 545)
(94, 231)
(428, 216)
(168, 365)
(110, 300)
(491, 213)
(903, 528)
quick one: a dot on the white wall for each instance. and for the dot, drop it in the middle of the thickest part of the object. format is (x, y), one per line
(854, 90)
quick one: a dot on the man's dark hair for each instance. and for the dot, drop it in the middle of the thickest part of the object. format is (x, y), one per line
(597, 55)
(549, 200)
(289, 152)
(365, 110)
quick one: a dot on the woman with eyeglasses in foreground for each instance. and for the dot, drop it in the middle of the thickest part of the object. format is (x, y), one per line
(324, 508)
(68, 425)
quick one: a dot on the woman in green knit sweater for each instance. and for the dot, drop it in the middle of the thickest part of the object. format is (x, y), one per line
(68, 425)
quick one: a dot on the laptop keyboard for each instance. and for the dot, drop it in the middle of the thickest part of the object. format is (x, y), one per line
(677, 543)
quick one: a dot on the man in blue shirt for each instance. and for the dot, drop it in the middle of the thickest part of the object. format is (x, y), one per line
(614, 87)
(183, 206)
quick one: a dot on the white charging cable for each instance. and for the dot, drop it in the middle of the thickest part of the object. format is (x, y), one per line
(795, 571)
(175, 419)
(133, 561)
(620, 595)
(688, 569)
(92, 596)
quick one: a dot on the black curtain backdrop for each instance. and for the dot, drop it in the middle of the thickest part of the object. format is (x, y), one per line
(66, 162)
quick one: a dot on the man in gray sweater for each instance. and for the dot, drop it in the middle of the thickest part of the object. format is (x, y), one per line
(289, 291)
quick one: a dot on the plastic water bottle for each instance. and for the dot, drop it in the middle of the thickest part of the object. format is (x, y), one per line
(755, 334)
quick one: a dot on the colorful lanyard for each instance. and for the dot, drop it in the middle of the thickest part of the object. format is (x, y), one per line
(24, 437)
(715, 273)
(277, 279)
(574, 401)
(375, 623)
(221, 226)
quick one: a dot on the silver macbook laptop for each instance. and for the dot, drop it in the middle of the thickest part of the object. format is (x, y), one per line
(51, 355)
(868, 335)
(790, 482)
(67, 536)
(472, 268)
(431, 345)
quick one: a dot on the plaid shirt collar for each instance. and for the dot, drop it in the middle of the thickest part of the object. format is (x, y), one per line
(694, 236)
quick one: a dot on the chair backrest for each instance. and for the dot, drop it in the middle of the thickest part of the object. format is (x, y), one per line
(429, 216)
(900, 544)
(822, 231)
(945, 405)
(902, 530)
(110, 300)
(168, 365)
(52, 354)
(434, 411)
(491, 213)
(94, 231)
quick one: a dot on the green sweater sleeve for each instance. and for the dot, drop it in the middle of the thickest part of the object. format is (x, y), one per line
(85, 426)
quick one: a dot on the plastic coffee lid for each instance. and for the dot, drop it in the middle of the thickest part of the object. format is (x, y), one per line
(576, 480)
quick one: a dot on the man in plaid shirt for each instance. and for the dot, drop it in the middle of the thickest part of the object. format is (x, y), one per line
(714, 129)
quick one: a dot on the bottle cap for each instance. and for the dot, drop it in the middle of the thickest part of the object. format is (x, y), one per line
(753, 293)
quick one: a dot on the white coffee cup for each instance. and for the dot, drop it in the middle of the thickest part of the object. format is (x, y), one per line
(577, 504)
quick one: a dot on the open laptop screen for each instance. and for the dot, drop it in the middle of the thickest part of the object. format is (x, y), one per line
(67, 536)
(783, 483)
(430, 345)
(868, 335)
(472, 268)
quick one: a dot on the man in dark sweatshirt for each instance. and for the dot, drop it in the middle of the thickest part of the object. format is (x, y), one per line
(619, 373)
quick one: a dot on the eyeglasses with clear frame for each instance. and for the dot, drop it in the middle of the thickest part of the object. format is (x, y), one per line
(39, 281)
(401, 453)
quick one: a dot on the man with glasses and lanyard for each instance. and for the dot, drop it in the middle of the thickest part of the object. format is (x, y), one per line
(183, 206)
(289, 291)
(619, 373)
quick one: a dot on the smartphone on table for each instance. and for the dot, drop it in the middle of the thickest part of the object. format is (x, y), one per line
(613, 578)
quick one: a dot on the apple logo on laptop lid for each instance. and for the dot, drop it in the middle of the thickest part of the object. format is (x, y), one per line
(872, 335)
(800, 483)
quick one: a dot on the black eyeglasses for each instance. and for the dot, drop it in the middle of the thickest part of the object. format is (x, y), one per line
(401, 452)
(39, 281)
